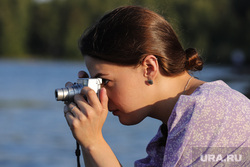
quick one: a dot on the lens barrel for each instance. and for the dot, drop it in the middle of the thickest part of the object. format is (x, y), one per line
(67, 94)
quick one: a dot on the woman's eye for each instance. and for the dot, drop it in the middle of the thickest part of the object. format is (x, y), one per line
(105, 81)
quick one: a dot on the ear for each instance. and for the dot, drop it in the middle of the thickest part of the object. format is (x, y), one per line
(151, 67)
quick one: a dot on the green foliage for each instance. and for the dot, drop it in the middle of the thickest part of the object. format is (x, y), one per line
(51, 28)
(213, 27)
(14, 25)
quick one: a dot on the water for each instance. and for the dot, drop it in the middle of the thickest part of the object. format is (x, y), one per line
(34, 131)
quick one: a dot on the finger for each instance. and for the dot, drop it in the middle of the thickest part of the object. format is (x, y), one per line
(66, 111)
(91, 96)
(82, 104)
(68, 84)
(83, 74)
(69, 118)
(76, 112)
(69, 115)
(103, 98)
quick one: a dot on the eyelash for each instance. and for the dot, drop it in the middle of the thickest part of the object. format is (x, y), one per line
(105, 81)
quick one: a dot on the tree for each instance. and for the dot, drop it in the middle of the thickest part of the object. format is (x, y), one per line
(14, 25)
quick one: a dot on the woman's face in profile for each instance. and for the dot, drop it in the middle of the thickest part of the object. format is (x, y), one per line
(126, 89)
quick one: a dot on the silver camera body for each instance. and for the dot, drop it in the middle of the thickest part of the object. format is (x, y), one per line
(68, 93)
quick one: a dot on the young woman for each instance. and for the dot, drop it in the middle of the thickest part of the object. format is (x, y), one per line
(146, 73)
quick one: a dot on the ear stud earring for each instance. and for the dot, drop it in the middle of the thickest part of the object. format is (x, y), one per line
(150, 82)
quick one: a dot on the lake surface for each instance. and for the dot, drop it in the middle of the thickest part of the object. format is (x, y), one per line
(34, 132)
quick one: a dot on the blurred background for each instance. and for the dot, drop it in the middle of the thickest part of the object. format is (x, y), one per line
(39, 52)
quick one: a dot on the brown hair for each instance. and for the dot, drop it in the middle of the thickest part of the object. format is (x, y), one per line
(127, 34)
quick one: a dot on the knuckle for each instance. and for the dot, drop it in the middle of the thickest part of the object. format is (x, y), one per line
(65, 108)
(98, 109)
(81, 118)
(91, 92)
(75, 124)
(76, 97)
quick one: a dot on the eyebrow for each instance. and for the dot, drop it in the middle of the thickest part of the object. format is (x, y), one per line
(99, 75)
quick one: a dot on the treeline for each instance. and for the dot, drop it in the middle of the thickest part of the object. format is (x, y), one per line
(51, 28)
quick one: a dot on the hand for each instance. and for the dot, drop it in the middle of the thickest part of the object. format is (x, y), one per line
(81, 74)
(86, 119)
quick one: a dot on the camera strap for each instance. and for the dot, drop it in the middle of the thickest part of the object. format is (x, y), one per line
(78, 154)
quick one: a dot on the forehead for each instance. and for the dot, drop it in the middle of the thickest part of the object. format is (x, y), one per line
(96, 66)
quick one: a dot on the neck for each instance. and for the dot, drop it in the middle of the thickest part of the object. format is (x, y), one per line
(167, 92)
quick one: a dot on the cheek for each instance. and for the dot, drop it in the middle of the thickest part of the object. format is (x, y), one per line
(126, 98)
(118, 99)
(130, 102)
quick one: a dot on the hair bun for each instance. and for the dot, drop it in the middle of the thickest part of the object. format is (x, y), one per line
(194, 61)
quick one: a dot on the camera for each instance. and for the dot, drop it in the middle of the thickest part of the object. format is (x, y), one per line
(68, 93)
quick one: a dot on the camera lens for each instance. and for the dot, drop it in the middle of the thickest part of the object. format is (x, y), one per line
(67, 94)
(56, 94)
(60, 94)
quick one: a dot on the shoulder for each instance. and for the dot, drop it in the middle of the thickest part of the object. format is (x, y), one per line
(210, 117)
(218, 99)
(216, 88)
(216, 92)
(219, 95)
(212, 100)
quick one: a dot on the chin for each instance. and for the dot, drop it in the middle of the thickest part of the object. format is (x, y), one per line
(129, 122)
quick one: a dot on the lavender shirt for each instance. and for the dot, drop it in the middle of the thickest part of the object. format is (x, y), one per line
(207, 128)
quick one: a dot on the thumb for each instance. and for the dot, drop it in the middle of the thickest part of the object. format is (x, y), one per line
(103, 98)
